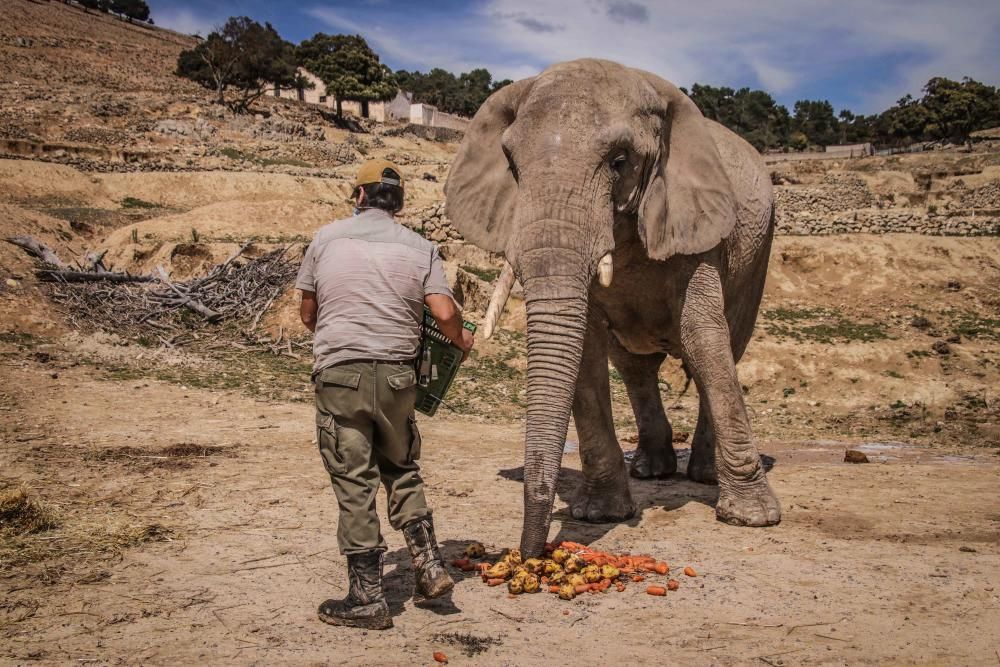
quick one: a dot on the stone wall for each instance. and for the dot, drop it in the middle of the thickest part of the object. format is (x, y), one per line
(844, 204)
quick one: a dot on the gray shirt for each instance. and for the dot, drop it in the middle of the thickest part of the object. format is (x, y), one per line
(370, 276)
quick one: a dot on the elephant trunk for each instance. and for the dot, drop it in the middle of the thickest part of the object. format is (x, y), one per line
(556, 326)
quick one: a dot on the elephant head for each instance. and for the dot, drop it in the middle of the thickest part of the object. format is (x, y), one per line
(549, 167)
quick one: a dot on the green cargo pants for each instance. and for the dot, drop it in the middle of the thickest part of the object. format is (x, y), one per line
(366, 433)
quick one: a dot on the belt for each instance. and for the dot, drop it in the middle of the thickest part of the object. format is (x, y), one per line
(404, 362)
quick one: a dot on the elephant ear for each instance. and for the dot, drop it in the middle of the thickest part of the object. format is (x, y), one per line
(481, 188)
(688, 206)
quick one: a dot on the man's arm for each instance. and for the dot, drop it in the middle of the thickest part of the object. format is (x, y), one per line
(307, 310)
(449, 320)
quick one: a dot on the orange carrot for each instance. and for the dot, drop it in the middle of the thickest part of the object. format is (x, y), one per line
(582, 588)
(620, 587)
(553, 589)
(662, 568)
(673, 584)
(689, 571)
(440, 657)
(656, 590)
(494, 582)
(638, 577)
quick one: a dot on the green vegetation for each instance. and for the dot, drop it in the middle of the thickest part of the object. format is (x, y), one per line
(133, 202)
(893, 374)
(349, 67)
(462, 94)
(487, 275)
(949, 110)
(243, 56)
(820, 325)
(971, 325)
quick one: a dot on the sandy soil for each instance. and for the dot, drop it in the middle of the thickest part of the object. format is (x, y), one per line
(873, 563)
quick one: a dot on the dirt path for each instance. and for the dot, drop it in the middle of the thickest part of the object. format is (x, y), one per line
(872, 563)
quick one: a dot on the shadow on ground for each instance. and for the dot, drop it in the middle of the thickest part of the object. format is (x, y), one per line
(668, 494)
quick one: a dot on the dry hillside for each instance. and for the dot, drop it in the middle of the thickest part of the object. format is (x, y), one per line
(160, 497)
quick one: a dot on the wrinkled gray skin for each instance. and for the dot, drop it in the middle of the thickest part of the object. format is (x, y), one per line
(591, 157)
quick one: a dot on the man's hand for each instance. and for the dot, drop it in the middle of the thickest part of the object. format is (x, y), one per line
(449, 320)
(308, 309)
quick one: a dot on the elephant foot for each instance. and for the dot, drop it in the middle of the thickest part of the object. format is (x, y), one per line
(653, 462)
(603, 503)
(748, 504)
(701, 466)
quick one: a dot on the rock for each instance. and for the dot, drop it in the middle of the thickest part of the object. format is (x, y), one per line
(854, 456)
(941, 347)
(12, 283)
(954, 285)
(954, 339)
(919, 322)
(968, 550)
(430, 177)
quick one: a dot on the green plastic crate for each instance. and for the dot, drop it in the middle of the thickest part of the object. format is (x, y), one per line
(437, 364)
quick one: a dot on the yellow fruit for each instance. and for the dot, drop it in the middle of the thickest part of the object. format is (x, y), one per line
(610, 572)
(513, 557)
(534, 565)
(515, 586)
(530, 584)
(521, 574)
(557, 577)
(567, 592)
(475, 550)
(576, 580)
(591, 574)
(560, 556)
(501, 570)
(551, 567)
(574, 564)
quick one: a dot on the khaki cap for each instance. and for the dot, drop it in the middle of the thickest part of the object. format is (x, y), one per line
(372, 170)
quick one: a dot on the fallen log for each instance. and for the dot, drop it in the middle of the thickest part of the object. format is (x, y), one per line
(37, 249)
(61, 276)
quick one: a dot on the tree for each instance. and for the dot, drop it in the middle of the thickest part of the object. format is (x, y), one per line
(462, 94)
(815, 119)
(243, 55)
(753, 114)
(955, 109)
(349, 68)
(132, 9)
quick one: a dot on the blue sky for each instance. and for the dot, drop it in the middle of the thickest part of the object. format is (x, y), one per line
(859, 54)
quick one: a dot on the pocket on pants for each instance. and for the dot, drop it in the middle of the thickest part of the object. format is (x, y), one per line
(415, 440)
(326, 436)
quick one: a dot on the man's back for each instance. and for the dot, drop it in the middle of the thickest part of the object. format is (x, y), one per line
(370, 276)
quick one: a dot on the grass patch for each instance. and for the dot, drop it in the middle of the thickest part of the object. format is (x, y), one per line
(820, 325)
(133, 202)
(970, 325)
(181, 455)
(893, 374)
(486, 275)
(20, 514)
(470, 644)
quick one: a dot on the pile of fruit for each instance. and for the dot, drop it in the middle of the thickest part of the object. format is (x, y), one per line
(568, 569)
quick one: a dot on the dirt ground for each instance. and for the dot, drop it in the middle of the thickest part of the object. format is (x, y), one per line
(894, 561)
(162, 499)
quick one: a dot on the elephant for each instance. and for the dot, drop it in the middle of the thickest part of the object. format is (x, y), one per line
(638, 229)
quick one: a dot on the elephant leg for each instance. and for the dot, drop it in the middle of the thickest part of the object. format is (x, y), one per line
(701, 465)
(745, 497)
(654, 456)
(604, 494)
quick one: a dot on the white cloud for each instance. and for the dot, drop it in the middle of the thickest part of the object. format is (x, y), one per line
(779, 45)
(185, 20)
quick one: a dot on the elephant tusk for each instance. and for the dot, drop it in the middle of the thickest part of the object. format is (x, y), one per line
(605, 270)
(499, 299)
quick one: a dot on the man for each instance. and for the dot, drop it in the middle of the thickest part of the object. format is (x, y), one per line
(364, 283)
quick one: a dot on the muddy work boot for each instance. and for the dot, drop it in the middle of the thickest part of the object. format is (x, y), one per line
(433, 580)
(364, 606)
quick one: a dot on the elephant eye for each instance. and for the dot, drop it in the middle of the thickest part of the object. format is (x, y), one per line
(617, 163)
